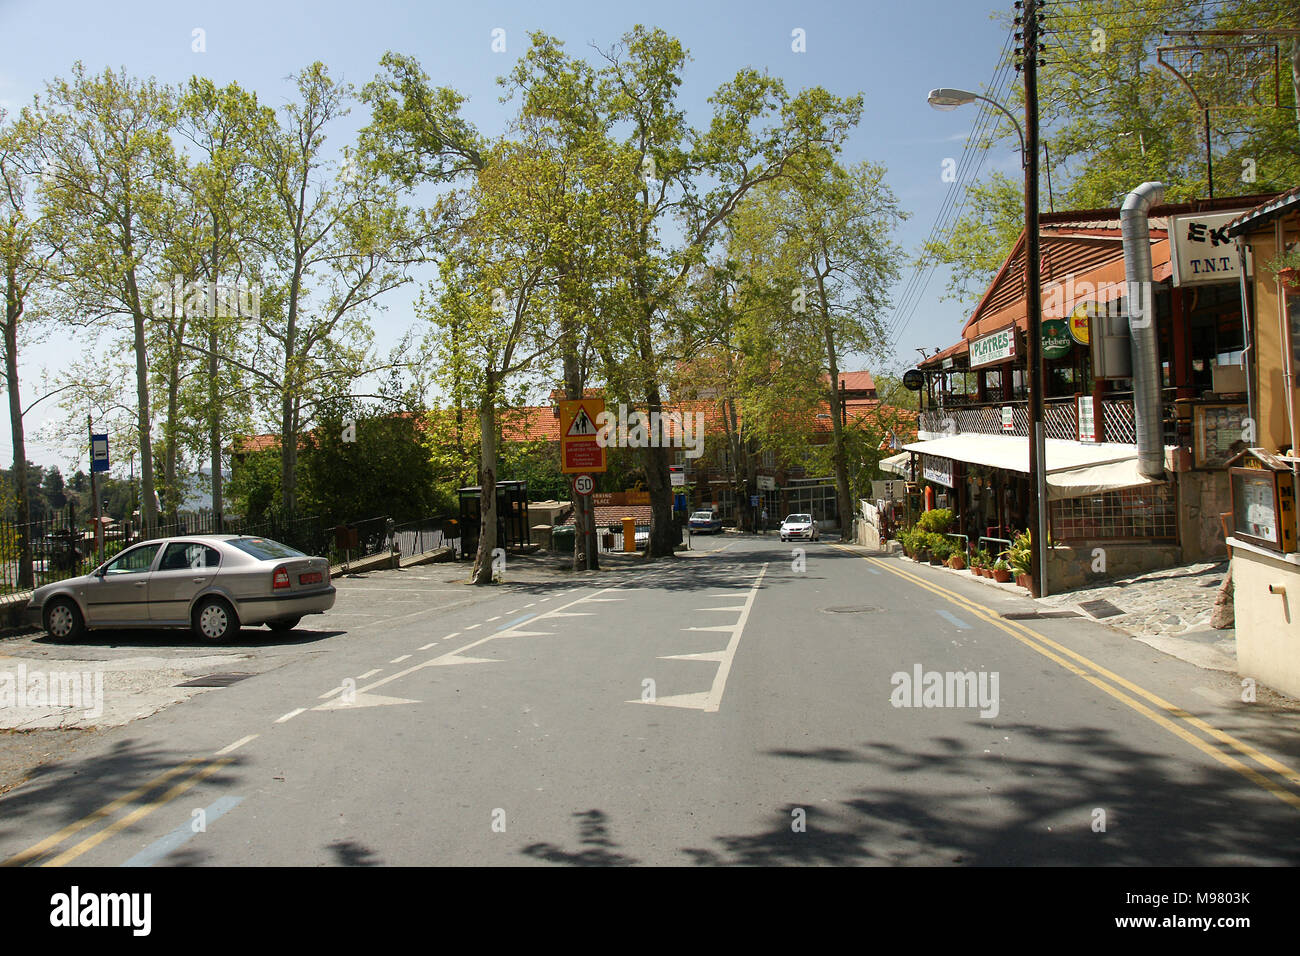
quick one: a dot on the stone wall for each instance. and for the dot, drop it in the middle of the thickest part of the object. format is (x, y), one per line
(1088, 563)
(1202, 495)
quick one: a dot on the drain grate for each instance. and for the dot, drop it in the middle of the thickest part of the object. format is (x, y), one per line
(215, 680)
(1038, 615)
(1100, 608)
(852, 609)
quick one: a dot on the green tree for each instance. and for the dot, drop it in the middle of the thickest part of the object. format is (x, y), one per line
(105, 147)
(681, 186)
(820, 259)
(23, 258)
(332, 250)
(363, 461)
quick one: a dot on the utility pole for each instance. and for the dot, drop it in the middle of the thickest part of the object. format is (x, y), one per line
(1034, 297)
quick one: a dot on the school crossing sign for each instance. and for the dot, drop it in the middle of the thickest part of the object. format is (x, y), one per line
(579, 451)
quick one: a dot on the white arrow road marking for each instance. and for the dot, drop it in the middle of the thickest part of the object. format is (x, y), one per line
(449, 659)
(698, 701)
(363, 700)
(458, 656)
(709, 701)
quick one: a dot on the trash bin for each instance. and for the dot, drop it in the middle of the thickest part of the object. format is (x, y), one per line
(562, 539)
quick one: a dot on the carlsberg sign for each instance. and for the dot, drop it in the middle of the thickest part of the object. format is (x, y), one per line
(993, 347)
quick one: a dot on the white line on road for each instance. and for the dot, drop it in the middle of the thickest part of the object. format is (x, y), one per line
(425, 647)
(289, 716)
(491, 619)
(709, 701)
(398, 660)
(471, 627)
(370, 673)
(236, 745)
(455, 657)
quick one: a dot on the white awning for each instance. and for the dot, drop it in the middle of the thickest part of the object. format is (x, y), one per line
(1094, 479)
(897, 464)
(1073, 468)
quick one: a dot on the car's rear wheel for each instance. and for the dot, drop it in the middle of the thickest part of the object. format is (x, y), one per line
(63, 620)
(284, 624)
(214, 620)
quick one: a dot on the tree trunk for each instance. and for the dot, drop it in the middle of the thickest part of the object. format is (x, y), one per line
(845, 506)
(171, 483)
(585, 552)
(214, 434)
(13, 310)
(149, 502)
(487, 534)
(214, 412)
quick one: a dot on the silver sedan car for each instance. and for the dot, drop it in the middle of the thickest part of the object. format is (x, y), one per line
(210, 583)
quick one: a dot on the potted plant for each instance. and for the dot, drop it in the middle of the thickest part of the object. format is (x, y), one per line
(980, 563)
(1001, 571)
(940, 547)
(958, 560)
(1020, 558)
(1287, 269)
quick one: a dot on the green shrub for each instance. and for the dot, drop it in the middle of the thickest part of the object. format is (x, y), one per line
(937, 520)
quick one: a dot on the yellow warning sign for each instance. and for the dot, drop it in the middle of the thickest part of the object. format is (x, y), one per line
(580, 453)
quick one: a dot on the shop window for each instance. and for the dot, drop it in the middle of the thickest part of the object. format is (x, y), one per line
(1132, 514)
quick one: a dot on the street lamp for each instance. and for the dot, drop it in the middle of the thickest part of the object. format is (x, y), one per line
(949, 99)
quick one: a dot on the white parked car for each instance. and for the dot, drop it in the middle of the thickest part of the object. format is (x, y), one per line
(210, 583)
(799, 528)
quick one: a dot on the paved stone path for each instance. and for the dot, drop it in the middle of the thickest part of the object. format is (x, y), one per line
(1168, 609)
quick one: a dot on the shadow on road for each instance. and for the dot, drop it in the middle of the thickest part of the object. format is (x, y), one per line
(1045, 816)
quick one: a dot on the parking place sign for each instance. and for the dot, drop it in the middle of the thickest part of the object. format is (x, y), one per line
(98, 452)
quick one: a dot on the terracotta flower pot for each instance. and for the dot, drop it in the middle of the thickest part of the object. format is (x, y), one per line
(1290, 279)
(1001, 575)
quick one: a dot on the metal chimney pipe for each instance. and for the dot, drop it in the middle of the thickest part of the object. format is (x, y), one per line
(1143, 342)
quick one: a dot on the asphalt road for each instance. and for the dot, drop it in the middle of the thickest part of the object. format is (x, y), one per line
(738, 706)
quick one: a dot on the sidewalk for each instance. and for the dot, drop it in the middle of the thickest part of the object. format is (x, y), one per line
(1167, 609)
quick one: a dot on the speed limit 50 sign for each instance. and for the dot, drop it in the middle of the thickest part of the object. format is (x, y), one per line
(583, 485)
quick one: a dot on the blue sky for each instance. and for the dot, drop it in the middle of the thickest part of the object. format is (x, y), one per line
(892, 52)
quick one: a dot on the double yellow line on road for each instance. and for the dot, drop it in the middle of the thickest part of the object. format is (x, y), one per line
(207, 767)
(1169, 716)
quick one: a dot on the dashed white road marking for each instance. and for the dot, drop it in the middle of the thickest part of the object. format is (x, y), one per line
(426, 646)
(710, 700)
(460, 656)
(491, 619)
(236, 745)
(370, 673)
(471, 627)
(398, 660)
(289, 716)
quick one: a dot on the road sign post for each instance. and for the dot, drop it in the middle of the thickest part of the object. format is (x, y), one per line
(581, 454)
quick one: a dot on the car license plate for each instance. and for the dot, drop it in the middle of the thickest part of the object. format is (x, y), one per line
(312, 577)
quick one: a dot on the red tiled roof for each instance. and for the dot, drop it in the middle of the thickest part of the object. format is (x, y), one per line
(607, 515)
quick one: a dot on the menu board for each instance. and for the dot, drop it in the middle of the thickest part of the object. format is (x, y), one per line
(1216, 429)
(1254, 507)
(1086, 418)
